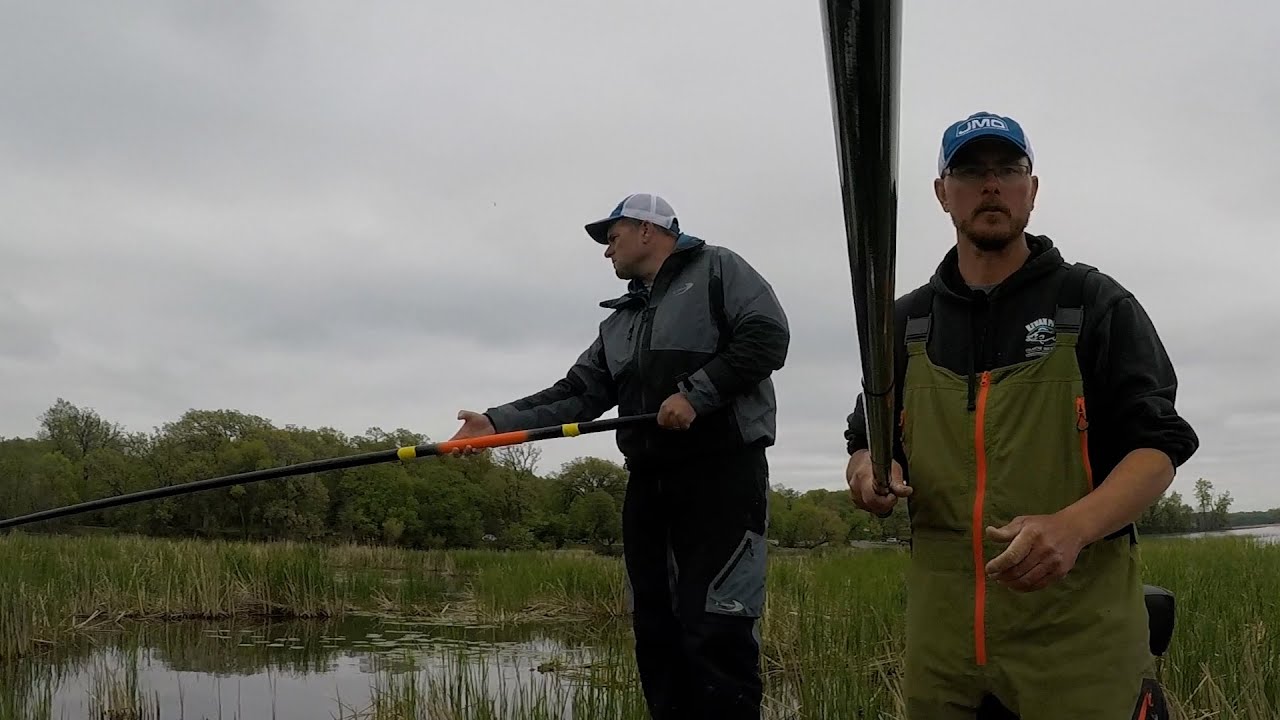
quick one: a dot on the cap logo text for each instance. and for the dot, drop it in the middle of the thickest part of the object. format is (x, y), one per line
(979, 124)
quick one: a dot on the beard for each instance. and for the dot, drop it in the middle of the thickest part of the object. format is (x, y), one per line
(992, 236)
(624, 271)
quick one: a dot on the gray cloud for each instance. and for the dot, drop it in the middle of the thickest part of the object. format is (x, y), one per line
(22, 337)
(375, 218)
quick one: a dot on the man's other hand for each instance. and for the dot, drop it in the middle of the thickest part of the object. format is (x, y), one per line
(1042, 550)
(676, 413)
(862, 484)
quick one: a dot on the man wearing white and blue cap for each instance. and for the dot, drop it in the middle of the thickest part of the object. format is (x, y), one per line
(982, 125)
(643, 207)
(1037, 422)
(980, 145)
(696, 339)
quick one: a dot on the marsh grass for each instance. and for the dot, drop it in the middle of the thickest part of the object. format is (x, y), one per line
(1224, 661)
(833, 632)
(56, 587)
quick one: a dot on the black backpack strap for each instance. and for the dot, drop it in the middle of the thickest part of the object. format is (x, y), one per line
(1069, 316)
(919, 316)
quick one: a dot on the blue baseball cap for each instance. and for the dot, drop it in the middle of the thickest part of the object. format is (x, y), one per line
(638, 206)
(981, 125)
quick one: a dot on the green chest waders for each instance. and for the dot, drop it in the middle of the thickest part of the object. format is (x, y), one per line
(1077, 649)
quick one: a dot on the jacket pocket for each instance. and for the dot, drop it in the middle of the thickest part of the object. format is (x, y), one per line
(738, 589)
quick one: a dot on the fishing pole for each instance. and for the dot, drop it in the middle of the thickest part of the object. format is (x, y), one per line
(863, 39)
(403, 454)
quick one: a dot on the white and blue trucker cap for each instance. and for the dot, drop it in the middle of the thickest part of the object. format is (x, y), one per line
(981, 125)
(637, 206)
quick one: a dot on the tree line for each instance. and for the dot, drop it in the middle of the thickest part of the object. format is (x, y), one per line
(498, 498)
(1169, 514)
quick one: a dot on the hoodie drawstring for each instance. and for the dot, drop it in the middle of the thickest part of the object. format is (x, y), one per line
(973, 376)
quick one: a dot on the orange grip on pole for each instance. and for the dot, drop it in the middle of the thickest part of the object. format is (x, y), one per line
(484, 441)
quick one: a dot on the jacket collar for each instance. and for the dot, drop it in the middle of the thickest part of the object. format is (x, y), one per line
(636, 290)
(1044, 258)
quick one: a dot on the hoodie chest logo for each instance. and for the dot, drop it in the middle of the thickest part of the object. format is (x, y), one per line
(1041, 337)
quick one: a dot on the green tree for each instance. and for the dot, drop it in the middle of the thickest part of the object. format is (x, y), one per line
(585, 475)
(595, 517)
(1213, 512)
(75, 431)
(34, 476)
(434, 502)
(1204, 497)
(1168, 514)
(1221, 510)
(814, 525)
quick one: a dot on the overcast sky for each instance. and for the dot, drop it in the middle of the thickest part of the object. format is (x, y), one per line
(353, 215)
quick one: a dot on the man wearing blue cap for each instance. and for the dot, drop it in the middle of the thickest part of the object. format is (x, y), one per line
(1036, 424)
(695, 338)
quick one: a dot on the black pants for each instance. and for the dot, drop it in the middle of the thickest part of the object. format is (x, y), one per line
(694, 545)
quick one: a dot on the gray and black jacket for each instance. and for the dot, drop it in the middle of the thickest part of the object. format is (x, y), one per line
(711, 327)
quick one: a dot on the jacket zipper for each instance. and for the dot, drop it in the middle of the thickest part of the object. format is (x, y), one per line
(1082, 427)
(979, 564)
(646, 333)
(646, 327)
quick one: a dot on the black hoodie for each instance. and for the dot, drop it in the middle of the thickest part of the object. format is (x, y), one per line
(1129, 381)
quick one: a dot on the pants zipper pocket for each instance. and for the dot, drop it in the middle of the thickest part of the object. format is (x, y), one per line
(737, 558)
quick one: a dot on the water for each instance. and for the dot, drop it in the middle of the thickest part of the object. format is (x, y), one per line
(305, 669)
(1263, 533)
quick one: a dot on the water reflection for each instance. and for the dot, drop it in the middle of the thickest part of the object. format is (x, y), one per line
(1263, 533)
(303, 669)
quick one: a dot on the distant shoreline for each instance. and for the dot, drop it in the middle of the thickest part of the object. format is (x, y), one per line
(1220, 531)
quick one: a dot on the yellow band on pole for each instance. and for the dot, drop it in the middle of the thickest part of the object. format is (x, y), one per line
(571, 430)
(407, 453)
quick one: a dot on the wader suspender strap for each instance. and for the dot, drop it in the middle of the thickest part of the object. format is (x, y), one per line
(917, 331)
(919, 316)
(1069, 317)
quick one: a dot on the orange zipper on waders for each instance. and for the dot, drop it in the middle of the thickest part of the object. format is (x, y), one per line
(1082, 426)
(1146, 705)
(979, 565)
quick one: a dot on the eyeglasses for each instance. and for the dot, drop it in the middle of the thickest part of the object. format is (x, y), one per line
(978, 173)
